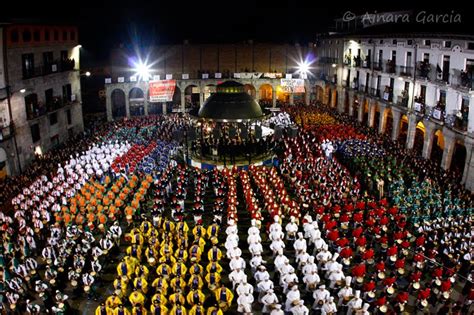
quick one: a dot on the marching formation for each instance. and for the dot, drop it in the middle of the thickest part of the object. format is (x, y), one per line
(345, 224)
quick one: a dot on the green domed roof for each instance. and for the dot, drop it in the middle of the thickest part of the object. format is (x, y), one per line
(230, 102)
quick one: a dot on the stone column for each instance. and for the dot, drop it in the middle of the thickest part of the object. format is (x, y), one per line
(292, 96)
(108, 106)
(468, 174)
(411, 131)
(428, 140)
(307, 95)
(145, 105)
(449, 145)
(371, 118)
(201, 96)
(274, 97)
(351, 103)
(396, 123)
(163, 106)
(360, 110)
(183, 101)
(340, 100)
(382, 118)
(127, 106)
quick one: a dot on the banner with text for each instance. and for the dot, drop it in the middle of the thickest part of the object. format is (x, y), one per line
(292, 85)
(162, 91)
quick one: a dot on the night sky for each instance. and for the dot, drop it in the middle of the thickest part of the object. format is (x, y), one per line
(101, 28)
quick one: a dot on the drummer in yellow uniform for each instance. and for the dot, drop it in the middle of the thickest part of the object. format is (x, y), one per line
(179, 269)
(158, 308)
(136, 297)
(199, 231)
(140, 284)
(214, 310)
(113, 301)
(195, 282)
(195, 297)
(213, 230)
(177, 298)
(124, 268)
(160, 283)
(120, 286)
(102, 309)
(213, 280)
(178, 283)
(197, 309)
(224, 297)
(121, 310)
(139, 310)
(214, 254)
(178, 309)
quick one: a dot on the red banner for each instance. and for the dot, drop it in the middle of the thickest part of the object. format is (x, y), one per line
(161, 91)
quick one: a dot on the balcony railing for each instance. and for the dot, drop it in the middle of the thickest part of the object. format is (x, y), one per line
(463, 80)
(405, 71)
(375, 92)
(357, 62)
(366, 64)
(378, 66)
(54, 67)
(402, 100)
(40, 109)
(438, 113)
(424, 71)
(363, 89)
(327, 60)
(386, 96)
(419, 106)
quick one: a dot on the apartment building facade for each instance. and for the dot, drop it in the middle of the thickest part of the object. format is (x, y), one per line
(419, 88)
(40, 102)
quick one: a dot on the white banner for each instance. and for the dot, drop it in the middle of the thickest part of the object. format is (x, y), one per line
(120, 79)
(156, 77)
(437, 114)
(418, 107)
(185, 76)
(288, 76)
(218, 75)
(108, 80)
(133, 78)
(4, 118)
(272, 75)
(292, 85)
(205, 75)
(169, 77)
(237, 75)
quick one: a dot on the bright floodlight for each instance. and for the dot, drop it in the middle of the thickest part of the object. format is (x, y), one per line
(143, 71)
(22, 90)
(88, 74)
(303, 67)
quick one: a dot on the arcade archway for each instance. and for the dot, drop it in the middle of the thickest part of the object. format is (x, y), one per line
(402, 137)
(117, 98)
(458, 159)
(438, 147)
(419, 138)
(136, 99)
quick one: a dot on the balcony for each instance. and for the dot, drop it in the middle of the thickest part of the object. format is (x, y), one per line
(405, 71)
(386, 96)
(328, 60)
(357, 62)
(347, 61)
(438, 112)
(463, 80)
(39, 109)
(378, 66)
(460, 120)
(424, 71)
(390, 66)
(419, 106)
(375, 92)
(363, 89)
(54, 67)
(366, 64)
(6, 132)
(402, 100)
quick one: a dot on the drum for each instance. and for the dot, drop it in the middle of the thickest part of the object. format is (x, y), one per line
(74, 283)
(390, 290)
(223, 305)
(446, 295)
(371, 294)
(124, 278)
(416, 285)
(27, 278)
(105, 251)
(384, 245)
(61, 305)
(129, 217)
(340, 282)
(13, 306)
(49, 261)
(438, 282)
(359, 279)
(381, 275)
(393, 258)
(452, 279)
(87, 288)
(383, 308)
(320, 302)
(41, 294)
(401, 271)
(212, 287)
(402, 307)
(312, 286)
(61, 269)
(151, 261)
(424, 303)
(33, 272)
(346, 261)
(52, 281)
(370, 261)
(118, 292)
(78, 270)
(93, 273)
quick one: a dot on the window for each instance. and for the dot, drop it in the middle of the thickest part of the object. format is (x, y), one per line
(64, 35)
(447, 44)
(426, 57)
(46, 35)
(56, 35)
(47, 59)
(370, 41)
(427, 42)
(442, 97)
(55, 141)
(53, 119)
(28, 65)
(69, 118)
(423, 93)
(470, 46)
(64, 55)
(36, 36)
(48, 95)
(72, 35)
(394, 42)
(26, 36)
(14, 36)
(381, 41)
(67, 92)
(35, 133)
(31, 106)
(410, 42)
